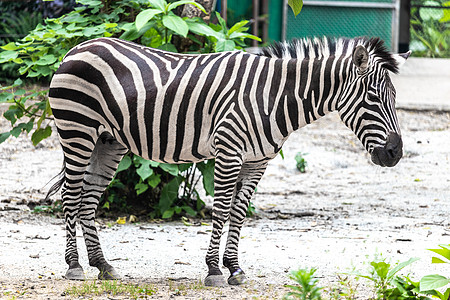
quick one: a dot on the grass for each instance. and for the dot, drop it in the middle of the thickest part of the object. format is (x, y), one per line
(110, 287)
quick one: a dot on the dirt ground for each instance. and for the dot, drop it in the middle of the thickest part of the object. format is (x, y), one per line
(338, 216)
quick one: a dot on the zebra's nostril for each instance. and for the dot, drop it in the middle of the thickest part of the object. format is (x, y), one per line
(391, 153)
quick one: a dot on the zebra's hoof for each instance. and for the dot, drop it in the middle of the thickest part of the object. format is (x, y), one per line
(215, 280)
(237, 278)
(109, 274)
(75, 274)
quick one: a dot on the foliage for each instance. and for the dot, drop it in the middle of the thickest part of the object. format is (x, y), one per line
(14, 25)
(307, 288)
(430, 29)
(31, 105)
(296, 6)
(388, 285)
(301, 162)
(165, 189)
(156, 25)
(430, 283)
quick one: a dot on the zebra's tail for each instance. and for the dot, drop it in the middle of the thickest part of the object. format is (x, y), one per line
(58, 184)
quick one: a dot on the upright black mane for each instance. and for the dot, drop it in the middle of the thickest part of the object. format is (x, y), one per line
(325, 47)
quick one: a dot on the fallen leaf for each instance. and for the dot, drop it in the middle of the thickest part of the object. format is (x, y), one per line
(121, 220)
(132, 219)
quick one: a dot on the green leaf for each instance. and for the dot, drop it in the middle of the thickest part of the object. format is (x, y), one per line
(243, 35)
(432, 282)
(238, 27)
(189, 210)
(4, 136)
(225, 45)
(183, 2)
(40, 134)
(169, 194)
(124, 164)
(281, 153)
(168, 213)
(222, 22)
(144, 16)
(168, 47)
(144, 171)
(381, 268)
(160, 4)
(131, 33)
(110, 25)
(203, 29)
(171, 169)
(436, 260)
(46, 60)
(400, 266)
(5, 97)
(154, 180)
(444, 252)
(207, 170)
(6, 56)
(296, 6)
(140, 188)
(10, 46)
(176, 24)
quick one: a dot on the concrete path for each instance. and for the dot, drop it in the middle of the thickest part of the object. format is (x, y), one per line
(423, 84)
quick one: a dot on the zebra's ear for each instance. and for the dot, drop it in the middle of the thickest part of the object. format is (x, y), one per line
(401, 58)
(360, 58)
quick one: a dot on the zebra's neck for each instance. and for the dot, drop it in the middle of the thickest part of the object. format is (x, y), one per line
(313, 88)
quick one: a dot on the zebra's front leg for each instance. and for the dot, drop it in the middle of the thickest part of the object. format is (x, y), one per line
(225, 175)
(245, 187)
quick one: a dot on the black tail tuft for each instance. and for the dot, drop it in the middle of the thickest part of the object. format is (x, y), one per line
(58, 184)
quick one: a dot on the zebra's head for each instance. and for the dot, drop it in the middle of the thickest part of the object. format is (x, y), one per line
(367, 105)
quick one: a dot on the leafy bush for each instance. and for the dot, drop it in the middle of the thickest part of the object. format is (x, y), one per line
(430, 29)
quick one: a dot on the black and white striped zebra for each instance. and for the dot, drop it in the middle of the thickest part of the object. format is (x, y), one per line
(110, 96)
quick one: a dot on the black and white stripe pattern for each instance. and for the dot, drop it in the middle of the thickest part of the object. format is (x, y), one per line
(110, 96)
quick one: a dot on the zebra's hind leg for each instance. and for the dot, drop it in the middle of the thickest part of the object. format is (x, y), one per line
(100, 171)
(248, 179)
(76, 160)
(225, 175)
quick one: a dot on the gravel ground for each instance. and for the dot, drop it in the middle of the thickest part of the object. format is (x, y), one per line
(337, 216)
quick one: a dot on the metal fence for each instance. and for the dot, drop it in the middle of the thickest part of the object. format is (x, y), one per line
(336, 18)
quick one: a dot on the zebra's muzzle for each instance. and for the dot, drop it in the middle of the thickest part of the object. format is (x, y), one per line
(390, 154)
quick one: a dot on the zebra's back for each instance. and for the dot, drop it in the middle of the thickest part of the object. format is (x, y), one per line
(162, 106)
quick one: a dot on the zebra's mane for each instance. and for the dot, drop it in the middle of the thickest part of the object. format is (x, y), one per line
(318, 48)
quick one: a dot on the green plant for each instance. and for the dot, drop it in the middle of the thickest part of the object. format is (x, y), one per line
(307, 288)
(430, 283)
(156, 25)
(55, 207)
(430, 29)
(164, 189)
(386, 282)
(301, 162)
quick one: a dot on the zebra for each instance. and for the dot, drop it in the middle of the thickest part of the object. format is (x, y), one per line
(111, 96)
